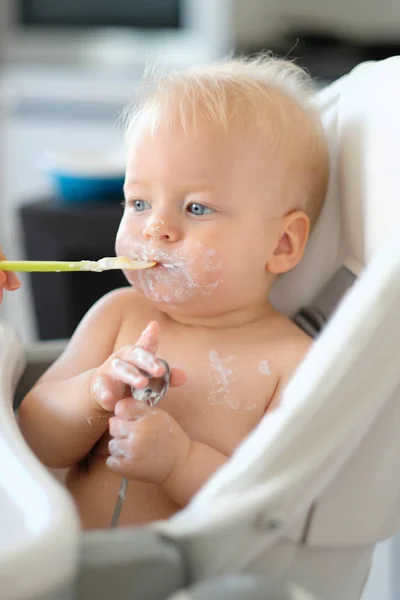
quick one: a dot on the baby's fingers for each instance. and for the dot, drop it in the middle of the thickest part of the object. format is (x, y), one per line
(142, 360)
(106, 391)
(128, 373)
(111, 383)
(149, 337)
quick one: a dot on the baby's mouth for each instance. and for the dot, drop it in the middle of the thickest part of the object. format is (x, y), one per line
(161, 265)
(161, 260)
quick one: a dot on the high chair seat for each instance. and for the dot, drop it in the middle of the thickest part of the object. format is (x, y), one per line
(307, 496)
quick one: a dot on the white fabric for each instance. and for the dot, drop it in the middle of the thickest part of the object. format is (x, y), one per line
(333, 441)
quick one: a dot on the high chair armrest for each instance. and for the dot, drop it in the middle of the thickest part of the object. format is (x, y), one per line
(39, 356)
(39, 525)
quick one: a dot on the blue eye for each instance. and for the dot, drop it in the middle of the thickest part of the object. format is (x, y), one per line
(199, 209)
(140, 205)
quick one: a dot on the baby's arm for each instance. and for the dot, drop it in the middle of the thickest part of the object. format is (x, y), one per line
(195, 469)
(59, 418)
(149, 445)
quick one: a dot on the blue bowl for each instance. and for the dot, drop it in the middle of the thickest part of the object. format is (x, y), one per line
(80, 178)
(75, 190)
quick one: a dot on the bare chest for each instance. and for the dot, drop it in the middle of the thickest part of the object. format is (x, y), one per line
(227, 389)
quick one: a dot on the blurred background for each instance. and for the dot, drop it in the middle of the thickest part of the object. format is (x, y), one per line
(69, 67)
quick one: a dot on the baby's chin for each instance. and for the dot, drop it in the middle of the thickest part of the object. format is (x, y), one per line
(170, 285)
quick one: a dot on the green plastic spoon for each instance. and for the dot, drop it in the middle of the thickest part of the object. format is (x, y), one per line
(104, 264)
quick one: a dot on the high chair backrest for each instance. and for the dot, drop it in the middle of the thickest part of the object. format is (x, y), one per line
(360, 113)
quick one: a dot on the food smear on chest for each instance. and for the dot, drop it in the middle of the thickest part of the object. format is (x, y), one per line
(222, 374)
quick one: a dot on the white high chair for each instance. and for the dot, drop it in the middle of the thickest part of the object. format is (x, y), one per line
(297, 511)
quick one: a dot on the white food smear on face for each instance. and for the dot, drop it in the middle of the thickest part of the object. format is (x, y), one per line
(178, 281)
(153, 226)
(221, 376)
(263, 367)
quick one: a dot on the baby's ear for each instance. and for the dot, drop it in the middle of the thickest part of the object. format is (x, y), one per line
(291, 243)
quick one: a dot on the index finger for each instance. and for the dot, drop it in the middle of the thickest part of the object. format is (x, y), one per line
(8, 280)
(149, 337)
(3, 276)
(12, 282)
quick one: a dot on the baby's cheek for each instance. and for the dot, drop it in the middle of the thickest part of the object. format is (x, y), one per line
(211, 280)
(129, 236)
(124, 247)
(208, 268)
(122, 241)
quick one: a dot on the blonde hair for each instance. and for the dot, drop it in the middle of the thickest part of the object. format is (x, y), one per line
(245, 91)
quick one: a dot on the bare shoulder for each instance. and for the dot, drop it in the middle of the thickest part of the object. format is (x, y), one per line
(120, 300)
(94, 339)
(290, 347)
(106, 315)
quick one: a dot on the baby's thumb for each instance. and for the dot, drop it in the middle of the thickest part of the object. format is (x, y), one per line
(149, 337)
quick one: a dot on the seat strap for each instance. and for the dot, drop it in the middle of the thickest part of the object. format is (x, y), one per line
(311, 319)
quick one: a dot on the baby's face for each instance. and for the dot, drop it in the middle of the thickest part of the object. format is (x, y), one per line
(201, 206)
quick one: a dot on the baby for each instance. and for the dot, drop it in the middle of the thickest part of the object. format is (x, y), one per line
(226, 173)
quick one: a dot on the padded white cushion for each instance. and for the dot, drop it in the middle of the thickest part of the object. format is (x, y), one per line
(358, 113)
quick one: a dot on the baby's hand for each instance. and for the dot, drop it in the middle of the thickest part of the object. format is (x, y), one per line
(124, 369)
(8, 280)
(148, 444)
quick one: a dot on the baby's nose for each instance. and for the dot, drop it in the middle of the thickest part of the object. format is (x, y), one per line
(153, 228)
(159, 229)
